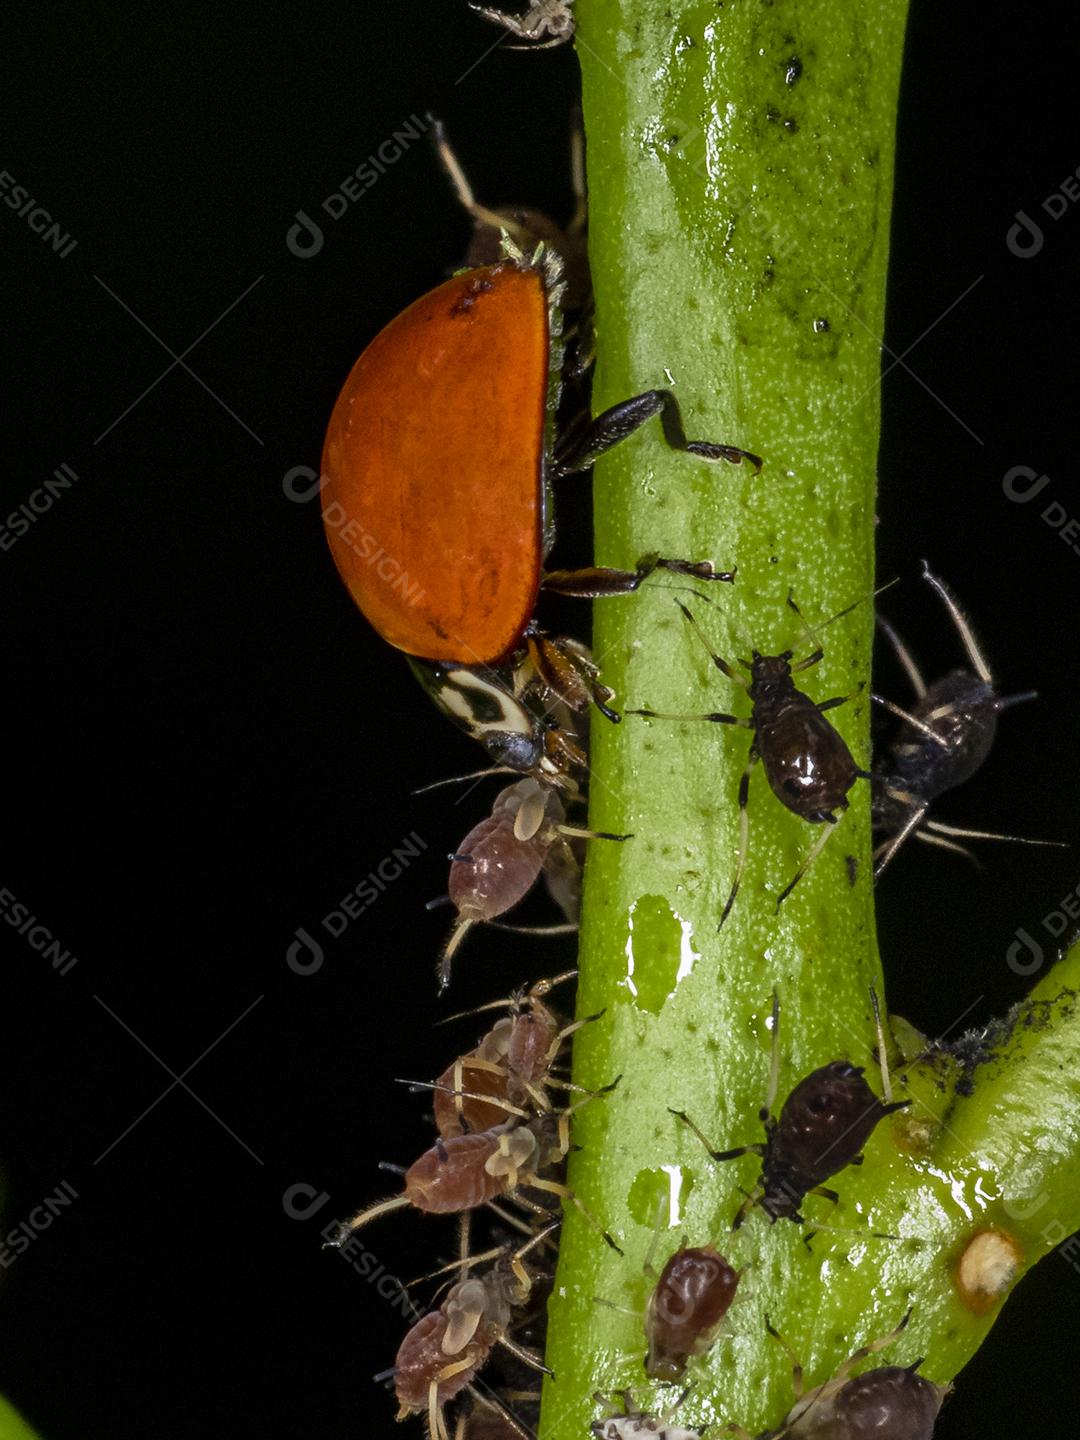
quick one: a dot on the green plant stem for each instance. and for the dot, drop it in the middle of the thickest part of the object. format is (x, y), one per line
(740, 173)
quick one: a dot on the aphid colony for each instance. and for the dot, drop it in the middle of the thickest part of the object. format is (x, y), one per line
(461, 496)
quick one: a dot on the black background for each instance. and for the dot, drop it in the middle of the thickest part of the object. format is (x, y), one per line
(209, 747)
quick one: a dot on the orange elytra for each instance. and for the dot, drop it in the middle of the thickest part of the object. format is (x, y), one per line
(434, 467)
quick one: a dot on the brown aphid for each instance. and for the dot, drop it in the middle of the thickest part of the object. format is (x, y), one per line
(442, 1353)
(501, 858)
(509, 1071)
(467, 1171)
(821, 1129)
(425, 1375)
(807, 762)
(691, 1298)
(891, 1403)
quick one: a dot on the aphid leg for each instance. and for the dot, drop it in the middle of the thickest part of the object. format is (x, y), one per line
(753, 1198)
(363, 1217)
(904, 655)
(871, 1348)
(435, 1412)
(744, 832)
(815, 850)
(506, 1217)
(525, 1356)
(516, 1000)
(833, 1198)
(494, 1401)
(662, 1204)
(598, 581)
(756, 1149)
(964, 630)
(939, 827)
(796, 1364)
(577, 222)
(523, 1277)
(909, 719)
(564, 1034)
(930, 839)
(883, 1060)
(887, 850)
(555, 1082)
(576, 832)
(554, 1187)
(621, 420)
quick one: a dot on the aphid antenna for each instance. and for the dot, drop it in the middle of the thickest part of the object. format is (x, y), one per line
(618, 1309)
(496, 1252)
(814, 632)
(662, 1203)
(963, 627)
(461, 779)
(879, 1028)
(541, 988)
(774, 1060)
(463, 190)
(813, 1228)
(417, 1085)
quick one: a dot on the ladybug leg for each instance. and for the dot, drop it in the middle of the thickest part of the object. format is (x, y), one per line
(595, 581)
(571, 676)
(580, 450)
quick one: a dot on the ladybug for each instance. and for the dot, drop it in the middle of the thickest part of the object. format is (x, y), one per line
(437, 467)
